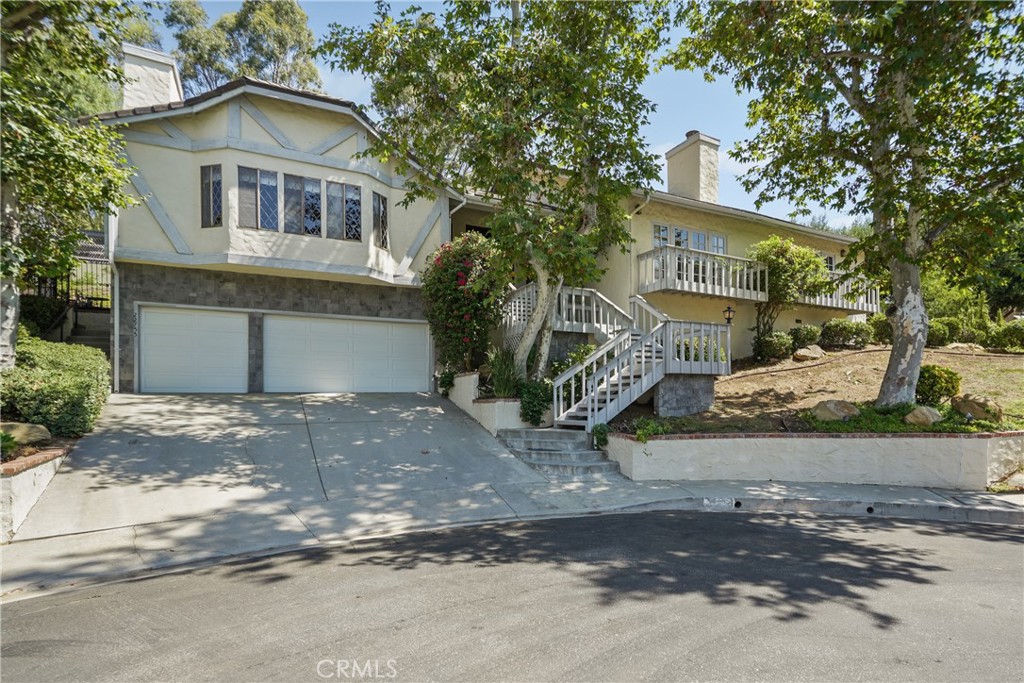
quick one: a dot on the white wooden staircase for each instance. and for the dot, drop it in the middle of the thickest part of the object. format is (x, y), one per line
(636, 351)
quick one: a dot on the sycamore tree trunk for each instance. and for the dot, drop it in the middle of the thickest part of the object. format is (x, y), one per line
(10, 301)
(910, 332)
(547, 295)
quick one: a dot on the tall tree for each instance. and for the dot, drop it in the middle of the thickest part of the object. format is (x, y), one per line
(266, 39)
(909, 112)
(55, 171)
(535, 105)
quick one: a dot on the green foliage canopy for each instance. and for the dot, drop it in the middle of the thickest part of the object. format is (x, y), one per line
(263, 39)
(908, 112)
(536, 106)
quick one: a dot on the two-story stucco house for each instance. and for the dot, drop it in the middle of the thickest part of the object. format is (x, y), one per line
(262, 256)
(265, 255)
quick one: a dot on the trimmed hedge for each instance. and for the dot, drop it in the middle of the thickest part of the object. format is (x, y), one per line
(881, 329)
(840, 333)
(60, 386)
(778, 344)
(805, 335)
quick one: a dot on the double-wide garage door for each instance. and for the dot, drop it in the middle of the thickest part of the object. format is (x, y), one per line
(193, 350)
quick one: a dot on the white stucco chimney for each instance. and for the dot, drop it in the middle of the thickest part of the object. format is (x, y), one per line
(692, 167)
(152, 78)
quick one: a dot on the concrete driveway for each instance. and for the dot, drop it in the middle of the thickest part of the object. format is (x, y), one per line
(165, 479)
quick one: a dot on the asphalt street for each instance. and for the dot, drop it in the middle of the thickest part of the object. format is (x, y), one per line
(655, 596)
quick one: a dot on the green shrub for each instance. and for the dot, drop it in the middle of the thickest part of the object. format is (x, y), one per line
(936, 385)
(505, 379)
(840, 333)
(938, 333)
(534, 400)
(805, 335)
(1009, 336)
(707, 354)
(881, 329)
(61, 386)
(446, 380)
(8, 444)
(576, 355)
(955, 328)
(646, 427)
(776, 345)
(40, 311)
(600, 434)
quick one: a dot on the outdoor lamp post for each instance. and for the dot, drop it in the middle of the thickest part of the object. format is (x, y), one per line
(729, 314)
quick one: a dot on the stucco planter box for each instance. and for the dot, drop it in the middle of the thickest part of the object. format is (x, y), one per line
(22, 481)
(954, 461)
(492, 413)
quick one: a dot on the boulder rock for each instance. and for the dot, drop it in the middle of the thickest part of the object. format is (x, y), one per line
(977, 407)
(26, 433)
(964, 346)
(831, 410)
(812, 352)
(923, 416)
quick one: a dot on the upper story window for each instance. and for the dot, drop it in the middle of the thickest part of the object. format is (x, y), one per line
(380, 220)
(211, 201)
(257, 198)
(344, 216)
(717, 244)
(699, 241)
(670, 236)
(830, 262)
(302, 205)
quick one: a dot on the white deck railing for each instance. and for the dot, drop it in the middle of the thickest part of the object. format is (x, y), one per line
(577, 309)
(702, 272)
(848, 294)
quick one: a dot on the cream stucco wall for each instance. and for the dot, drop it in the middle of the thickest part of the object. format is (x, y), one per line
(946, 461)
(621, 279)
(168, 159)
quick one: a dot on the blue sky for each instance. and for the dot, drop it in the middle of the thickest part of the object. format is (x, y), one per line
(684, 100)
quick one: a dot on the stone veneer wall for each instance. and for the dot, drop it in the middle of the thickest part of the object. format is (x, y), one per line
(213, 288)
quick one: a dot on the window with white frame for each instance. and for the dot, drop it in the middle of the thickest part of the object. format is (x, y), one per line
(670, 236)
(717, 244)
(830, 262)
(699, 241)
(380, 220)
(211, 200)
(257, 198)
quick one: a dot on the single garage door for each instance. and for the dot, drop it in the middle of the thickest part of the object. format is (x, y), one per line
(191, 350)
(333, 355)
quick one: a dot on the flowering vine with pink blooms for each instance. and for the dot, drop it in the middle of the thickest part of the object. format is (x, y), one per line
(462, 292)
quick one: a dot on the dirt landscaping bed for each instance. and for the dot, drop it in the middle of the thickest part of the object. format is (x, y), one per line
(766, 399)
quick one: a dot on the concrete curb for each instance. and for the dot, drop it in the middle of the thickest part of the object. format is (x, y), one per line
(850, 508)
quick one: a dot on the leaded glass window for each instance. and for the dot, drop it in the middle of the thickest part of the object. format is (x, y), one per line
(380, 220)
(211, 200)
(268, 200)
(311, 207)
(293, 201)
(334, 215)
(353, 213)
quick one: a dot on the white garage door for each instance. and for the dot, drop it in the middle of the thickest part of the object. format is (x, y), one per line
(189, 350)
(331, 355)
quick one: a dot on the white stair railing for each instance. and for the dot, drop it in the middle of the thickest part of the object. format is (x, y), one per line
(570, 386)
(626, 377)
(645, 316)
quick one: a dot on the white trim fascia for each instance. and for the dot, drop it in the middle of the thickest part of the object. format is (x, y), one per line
(421, 236)
(260, 92)
(265, 123)
(334, 139)
(248, 260)
(743, 214)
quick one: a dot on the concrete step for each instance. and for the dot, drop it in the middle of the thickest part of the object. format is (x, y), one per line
(562, 468)
(574, 457)
(544, 439)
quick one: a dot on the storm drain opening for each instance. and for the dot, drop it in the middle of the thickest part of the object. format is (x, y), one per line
(870, 509)
(737, 504)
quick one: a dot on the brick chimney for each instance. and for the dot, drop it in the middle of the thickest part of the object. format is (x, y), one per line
(692, 167)
(152, 78)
